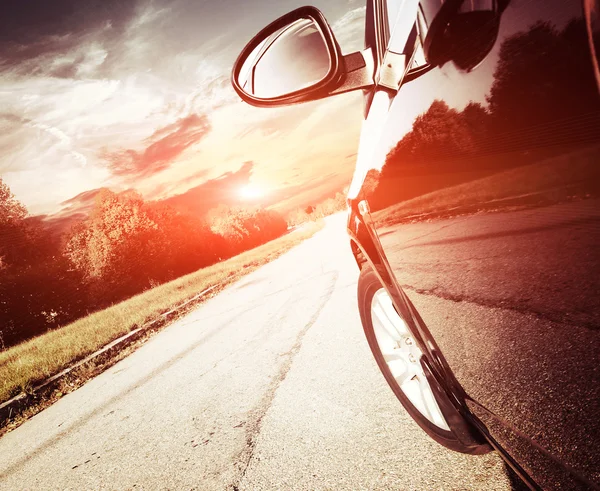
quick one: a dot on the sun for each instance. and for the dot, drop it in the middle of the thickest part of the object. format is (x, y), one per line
(250, 192)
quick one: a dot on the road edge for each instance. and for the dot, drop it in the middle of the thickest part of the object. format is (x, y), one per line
(20, 402)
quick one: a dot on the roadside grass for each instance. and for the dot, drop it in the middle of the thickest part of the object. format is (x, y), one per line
(571, 176)
(25, 365)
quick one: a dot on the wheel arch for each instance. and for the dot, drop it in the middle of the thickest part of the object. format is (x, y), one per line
(368, 253)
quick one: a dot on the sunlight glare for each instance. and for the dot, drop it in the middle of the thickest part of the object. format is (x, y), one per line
(250, 192)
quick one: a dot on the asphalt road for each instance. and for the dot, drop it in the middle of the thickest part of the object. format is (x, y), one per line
(513, 300)
(269, 385)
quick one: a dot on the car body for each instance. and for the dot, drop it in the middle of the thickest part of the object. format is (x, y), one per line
(474, 217)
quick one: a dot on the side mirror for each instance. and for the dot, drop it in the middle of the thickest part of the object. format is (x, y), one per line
(295, 59)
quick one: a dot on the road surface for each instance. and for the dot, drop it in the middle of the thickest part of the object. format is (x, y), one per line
(269, 385)
(512, 299)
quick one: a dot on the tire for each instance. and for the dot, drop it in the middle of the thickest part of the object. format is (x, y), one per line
(401, 362)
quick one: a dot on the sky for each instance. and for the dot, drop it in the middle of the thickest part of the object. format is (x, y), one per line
(136, 95)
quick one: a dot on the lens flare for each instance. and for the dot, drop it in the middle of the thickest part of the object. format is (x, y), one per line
(250, 192)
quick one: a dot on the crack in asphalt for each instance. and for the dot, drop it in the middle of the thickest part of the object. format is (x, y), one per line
(443, 227)
(255, 419)
(548, 316)
(84, 418)
(243, 309)
(593, 220)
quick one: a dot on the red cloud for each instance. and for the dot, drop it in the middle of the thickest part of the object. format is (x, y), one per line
(165, 145)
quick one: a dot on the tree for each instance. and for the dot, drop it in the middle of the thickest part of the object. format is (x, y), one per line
(38, 290)
(182, 243)
(11, 210)
(243, 228)
(437, 135)
(128, 245)
(543, 101)
(476, 118)
(544, 76)
(440, 140)
(15, 234)
(111, 247)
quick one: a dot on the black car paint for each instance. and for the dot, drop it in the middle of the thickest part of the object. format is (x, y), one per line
(542, 461)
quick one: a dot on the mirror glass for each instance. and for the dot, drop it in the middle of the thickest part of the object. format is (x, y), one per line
(293, 58)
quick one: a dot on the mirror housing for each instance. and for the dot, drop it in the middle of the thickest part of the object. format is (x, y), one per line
(265, 56)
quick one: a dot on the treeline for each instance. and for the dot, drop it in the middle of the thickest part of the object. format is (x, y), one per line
(543, 101)
(124, 247)
(320, 210)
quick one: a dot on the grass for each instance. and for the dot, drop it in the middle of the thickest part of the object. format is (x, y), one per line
(571, 176)
(25, 365)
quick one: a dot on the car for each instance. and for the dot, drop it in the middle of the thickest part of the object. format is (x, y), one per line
(473, 213)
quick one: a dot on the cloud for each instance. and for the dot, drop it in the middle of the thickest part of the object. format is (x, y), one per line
(81, 63)
(82, 204)
(278, 121)
(83, 199)
(213, 89)
(34, 32)
(89, 81)
(63, 139)
(211, 193)
(164, 146)
(350, 30)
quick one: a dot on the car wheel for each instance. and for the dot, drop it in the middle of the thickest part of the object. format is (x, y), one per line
(401, 361)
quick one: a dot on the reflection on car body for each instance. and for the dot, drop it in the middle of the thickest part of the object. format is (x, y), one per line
(475, 209)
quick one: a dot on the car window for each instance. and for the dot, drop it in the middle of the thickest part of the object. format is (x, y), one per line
(393, 7)
(418, 53)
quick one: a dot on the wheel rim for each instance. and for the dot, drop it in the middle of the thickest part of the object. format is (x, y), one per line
(403, 358)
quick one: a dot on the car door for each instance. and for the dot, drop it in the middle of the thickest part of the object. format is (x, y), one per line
(483, 186)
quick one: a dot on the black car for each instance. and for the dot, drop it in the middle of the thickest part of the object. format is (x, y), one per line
(474, 213)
